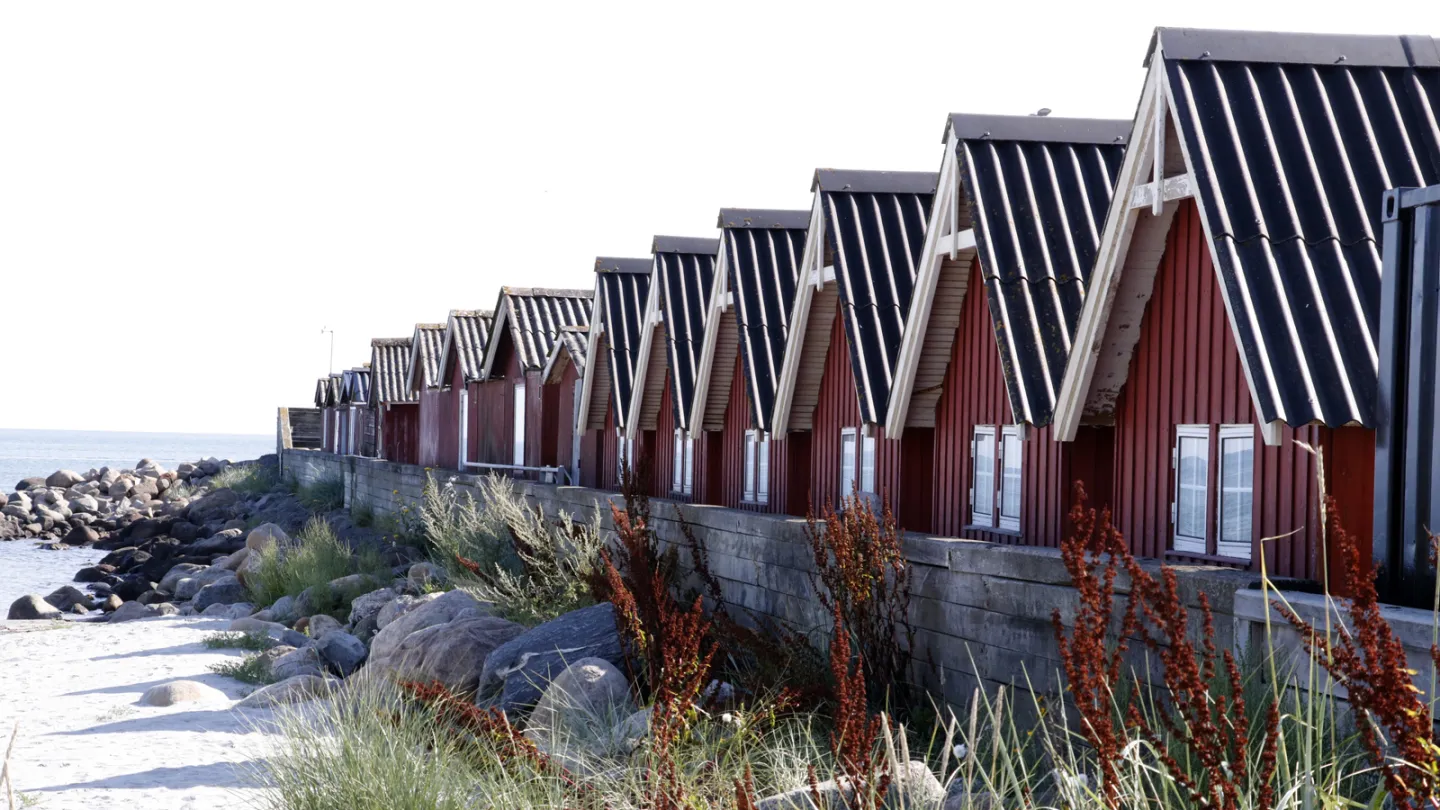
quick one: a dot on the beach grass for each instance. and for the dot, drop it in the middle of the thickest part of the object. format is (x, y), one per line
(317, 558)
(246, 479)
(250, 669)
(326, 495)
(258, 642)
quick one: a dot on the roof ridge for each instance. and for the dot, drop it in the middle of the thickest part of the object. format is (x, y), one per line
(1354, 50)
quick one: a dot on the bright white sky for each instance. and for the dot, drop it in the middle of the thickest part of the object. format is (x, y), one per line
(190, 191)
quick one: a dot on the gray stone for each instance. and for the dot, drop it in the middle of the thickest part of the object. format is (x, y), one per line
(240, 610)
(81, 536)
(84, 503)
(516, 673)
(166, 609)
(214, 504)
(293, 690)
(582, 708)
(67, 596)
(131, 611)
(284, 609)
(120, 488)
(224, 591)
(369, 604)
(320, 624)
(422, 576)
(232, 562)
(31, 607)
(226, 541)
(168, 694)
(177, 573)
(433, 612)
(303, 661)
(64, 478)
(267, 535)
(188, 587)
(400, 606)
(343, 652)
(453, 653)
(27, 484)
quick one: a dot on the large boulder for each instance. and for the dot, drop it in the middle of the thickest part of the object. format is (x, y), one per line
(81, 536)
(320, 624)
(435, 611)
(582, 708)
(265, 536)
(188, 587)
(32, 606)
(178, 572)
(131, 611)
(27, 484)
(233, 562)
(452, 653)
(222, 592)
(214, 504)
(273, 630)
(342, 652)
(399, 607)
(302, 661)
(68, 596)
(369, 604)
(64, 479)
(516, 673)
(168, 694)
(293, 690)
(85, 504)
(225, 541)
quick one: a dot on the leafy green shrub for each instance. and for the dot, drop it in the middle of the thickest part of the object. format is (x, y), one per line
(505, 551)
(246, 479)
(316, 558)
(325, 495)
(239, 641)
(251, 669)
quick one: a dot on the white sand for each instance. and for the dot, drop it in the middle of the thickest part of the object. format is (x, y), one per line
(85, 740)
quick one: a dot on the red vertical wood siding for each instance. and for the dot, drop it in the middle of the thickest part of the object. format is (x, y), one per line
(440, 424)
(495, 406)
(975, 394)
(661, 445)
(1186, 370)
(400, 426)
(327, 432)
(838, 407)
(565, 426)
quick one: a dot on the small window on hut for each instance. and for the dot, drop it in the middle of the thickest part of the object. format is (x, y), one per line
(1012, 453)
(756, 480)
(849, 442)
(982, 479)
(1237, 491)
(1191, 462)
(519, 456)
(682, 477)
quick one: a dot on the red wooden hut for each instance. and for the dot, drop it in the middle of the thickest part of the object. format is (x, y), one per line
(866, 232)
(461, 359)
(438, 408)
(622, 291)
(1011, 241)
(565, 372)
(749, 308)
(397, 409)
(520, 422)
(1229, 335)
(682, 277)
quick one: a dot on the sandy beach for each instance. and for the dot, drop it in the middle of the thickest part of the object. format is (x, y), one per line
(86, 741)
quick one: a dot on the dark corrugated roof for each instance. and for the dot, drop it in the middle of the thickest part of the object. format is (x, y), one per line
(1038, 190)
(466, 331)
(332, 389)
(875, 226)
(763, 250)
(322, 389)
(625, 292)
(686, 270)
(1290, 147)
(355, 386)
(390, 371)
(763, 218)
(427, 345)
(534, 317)
(612, 264)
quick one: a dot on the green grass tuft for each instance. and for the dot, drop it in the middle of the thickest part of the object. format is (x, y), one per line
(362, 515)
(246, 479)
(322, 496)
(317, 558)
(239, 641)
(250, 669)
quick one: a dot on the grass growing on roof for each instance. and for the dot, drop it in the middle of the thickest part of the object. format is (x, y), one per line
(315, 559)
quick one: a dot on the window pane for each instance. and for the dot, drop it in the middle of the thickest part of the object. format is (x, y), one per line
(1194, 472)
(847, 464)
(1237, 466)
(1011, 456)
(689, 466)
(519, 425)
(749, 478)
(678, 463)
(762, 493)
(982, 503)
(867, 464)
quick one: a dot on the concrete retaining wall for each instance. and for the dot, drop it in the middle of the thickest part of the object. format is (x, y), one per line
(981, 611)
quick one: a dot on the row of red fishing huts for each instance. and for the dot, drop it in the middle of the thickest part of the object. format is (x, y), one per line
(1179, 310)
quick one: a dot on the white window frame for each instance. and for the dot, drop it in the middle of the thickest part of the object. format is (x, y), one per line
(464, 429)
(1185, 543)
(1223, 548)
(756, 468)
(519, 440)
(1007, 514)
(682, 477)
(867, 464)
(983, 437)
(849, 462)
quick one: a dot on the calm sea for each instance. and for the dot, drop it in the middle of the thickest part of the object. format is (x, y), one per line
(25, 453)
